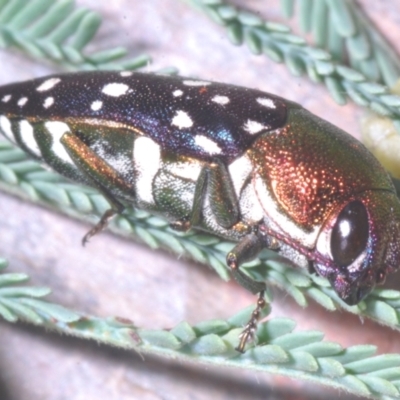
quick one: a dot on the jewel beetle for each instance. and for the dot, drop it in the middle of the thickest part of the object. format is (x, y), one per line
(239, 163)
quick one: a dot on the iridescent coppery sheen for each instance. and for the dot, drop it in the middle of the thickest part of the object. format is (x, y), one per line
(313, 170)
(239, 163)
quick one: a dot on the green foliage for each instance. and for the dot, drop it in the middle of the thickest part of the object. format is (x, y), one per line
(342, 29)
(23, 302)
(278, 43)
(57, 31)
(280, 349)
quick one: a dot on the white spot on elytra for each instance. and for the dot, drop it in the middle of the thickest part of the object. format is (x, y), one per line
(220, 100)
(57, 130)
(182, 120)
(22, 101)
(5, 125)
(190, 82)
(126, 73)
(208, 145)
(147, 160)
(239, 170)
(177, 93)
(48, 84)
(115, 89)
(96, 105)
(49, 101)
(266, 102)
(28, 138)
(253, 127)
(6, 98)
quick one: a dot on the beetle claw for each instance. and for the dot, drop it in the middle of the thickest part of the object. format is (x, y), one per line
(251, 327)
(102, 224)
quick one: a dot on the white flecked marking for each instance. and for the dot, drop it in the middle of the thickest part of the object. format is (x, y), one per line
(269, 103)
(190, 82)
(278, 219)
(220, 100)
(207, 144)
(119, 162)
(6, 98)
(5, 125)
(182, 120)
(48, 84)
(48, 102)
(147, 160)
(126, 73)
(253, 127)
(177, 93)
(250, 208)
(57, 130)
(186, 170)
(96, 105)
(239, 171)
(28, 138)
(115, 89)
(22, 101)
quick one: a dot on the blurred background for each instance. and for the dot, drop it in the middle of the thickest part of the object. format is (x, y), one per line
(115, 277)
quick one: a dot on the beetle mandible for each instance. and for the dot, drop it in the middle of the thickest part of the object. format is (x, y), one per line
(236, 162)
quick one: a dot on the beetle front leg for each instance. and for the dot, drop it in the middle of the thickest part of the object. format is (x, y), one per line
(246, 250)
(100, 174)
(215, 184)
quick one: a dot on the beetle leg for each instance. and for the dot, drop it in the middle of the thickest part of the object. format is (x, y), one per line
(100, 175)
(194, 219)
(246, 250)
(250, 328)
(102, 224)
(223, 200)
(215, 184)
(199, 198)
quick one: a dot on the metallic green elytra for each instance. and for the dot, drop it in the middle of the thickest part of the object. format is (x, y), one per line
(239, 163)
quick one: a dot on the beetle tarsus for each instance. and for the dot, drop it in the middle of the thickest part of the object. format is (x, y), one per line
(102, 224)
(244, 251)
(250, 328)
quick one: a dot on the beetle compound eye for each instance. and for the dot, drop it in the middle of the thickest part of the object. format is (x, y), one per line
(350, 234)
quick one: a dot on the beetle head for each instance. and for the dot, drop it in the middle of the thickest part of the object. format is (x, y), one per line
(361, 240)
(327, 198)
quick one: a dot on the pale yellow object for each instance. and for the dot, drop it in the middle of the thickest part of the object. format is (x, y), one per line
(383, 139)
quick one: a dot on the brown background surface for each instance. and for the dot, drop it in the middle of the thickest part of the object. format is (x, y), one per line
(113, 276)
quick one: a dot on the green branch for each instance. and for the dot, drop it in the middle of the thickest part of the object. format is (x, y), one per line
(278, 43)
(280, 350)
(341, 28)
(58, 32)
